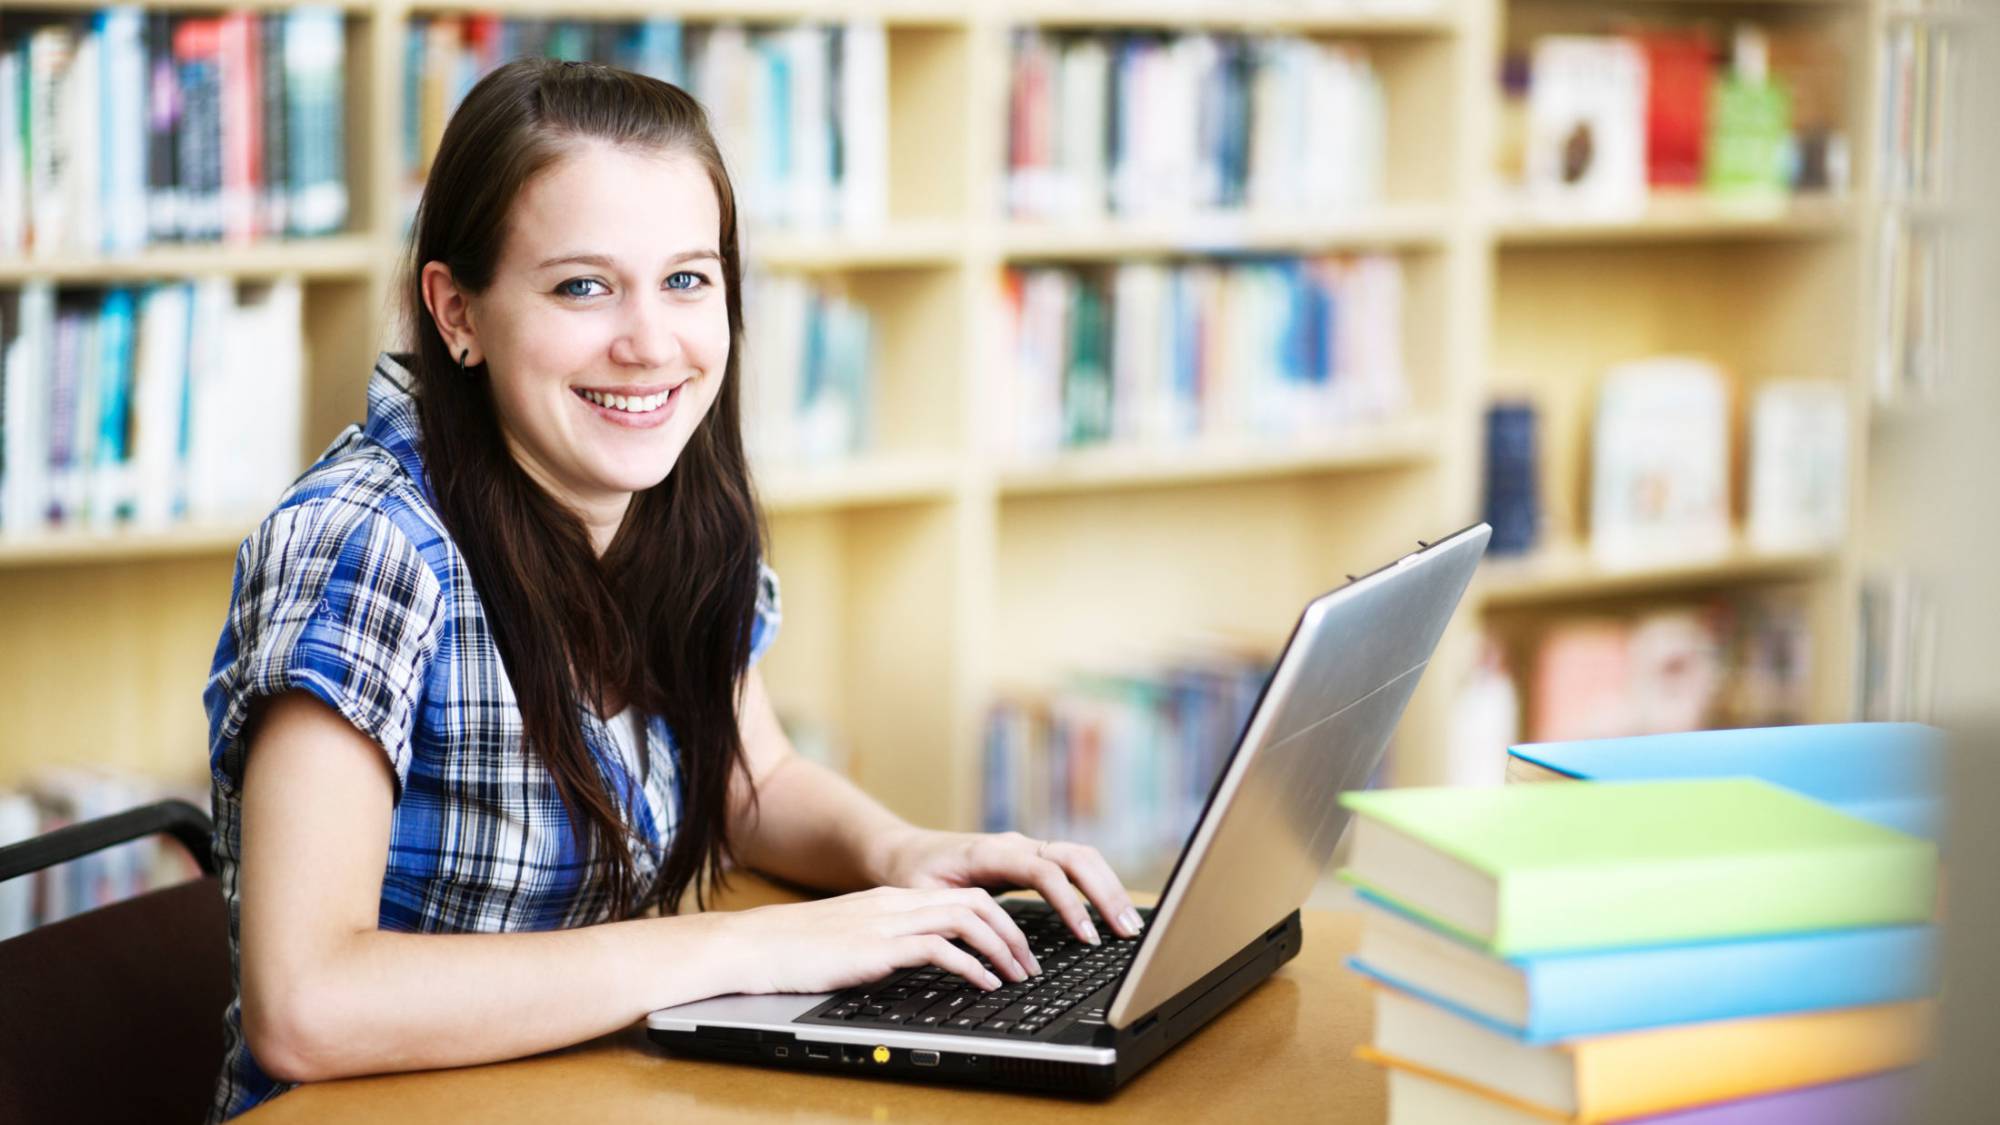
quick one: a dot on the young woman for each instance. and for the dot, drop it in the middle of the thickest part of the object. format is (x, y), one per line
(487, 695)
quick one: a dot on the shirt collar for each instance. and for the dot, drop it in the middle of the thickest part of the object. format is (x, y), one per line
(392, 415)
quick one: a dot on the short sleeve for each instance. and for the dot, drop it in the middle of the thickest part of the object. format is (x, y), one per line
(336, 603)
(770, 612)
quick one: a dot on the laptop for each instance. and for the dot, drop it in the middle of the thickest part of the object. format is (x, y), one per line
(1227, 918)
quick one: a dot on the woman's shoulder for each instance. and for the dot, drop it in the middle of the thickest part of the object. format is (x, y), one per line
(358, 499)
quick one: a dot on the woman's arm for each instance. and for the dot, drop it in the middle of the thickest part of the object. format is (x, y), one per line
(326, 994)
(812, 826)
(809, 825)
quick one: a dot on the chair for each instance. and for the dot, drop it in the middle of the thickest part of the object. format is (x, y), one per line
(115, 1014)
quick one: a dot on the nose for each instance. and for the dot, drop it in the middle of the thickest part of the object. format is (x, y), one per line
(649, 335)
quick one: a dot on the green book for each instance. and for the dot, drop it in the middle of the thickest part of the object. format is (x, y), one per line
(1543, 868)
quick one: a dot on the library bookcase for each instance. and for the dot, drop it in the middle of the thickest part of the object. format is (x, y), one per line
(923, 578)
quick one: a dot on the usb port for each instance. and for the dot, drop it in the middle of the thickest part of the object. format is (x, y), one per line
(924, 1058)
(814, 1051)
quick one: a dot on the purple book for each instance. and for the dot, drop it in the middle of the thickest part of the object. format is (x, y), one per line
(1863, 1101)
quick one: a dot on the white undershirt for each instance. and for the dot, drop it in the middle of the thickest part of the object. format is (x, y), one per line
(628, 733)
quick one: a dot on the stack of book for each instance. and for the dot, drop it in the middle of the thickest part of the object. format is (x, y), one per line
(1151, 124)
(1889, 773)
(1157, 354)
(1122, 762)
(148, 405)
(801, 111)
(1709, 950)
(131, 127)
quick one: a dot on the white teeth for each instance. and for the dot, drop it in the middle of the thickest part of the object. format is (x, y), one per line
(631, 404)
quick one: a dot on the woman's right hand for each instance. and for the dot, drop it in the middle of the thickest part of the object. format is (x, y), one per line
(836, 943)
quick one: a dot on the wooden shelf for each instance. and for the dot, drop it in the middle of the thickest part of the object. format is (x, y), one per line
(1303, 17)
(1568, 573)
(893, 12)
(350, 6)
(1388, 226)
(1389, 445)
(1686, 218)
(64, 548)
(338, 257)
(872, 481)
(897, 246)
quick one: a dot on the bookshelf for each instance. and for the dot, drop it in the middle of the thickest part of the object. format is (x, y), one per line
(936, 571)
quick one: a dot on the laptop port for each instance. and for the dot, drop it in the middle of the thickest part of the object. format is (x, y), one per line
(816, 1051)
(924, 1058)
(852, 1054)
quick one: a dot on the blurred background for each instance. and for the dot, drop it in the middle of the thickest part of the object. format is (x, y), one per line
(1087, 341)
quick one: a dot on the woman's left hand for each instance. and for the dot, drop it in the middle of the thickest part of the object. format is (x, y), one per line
(922, 858)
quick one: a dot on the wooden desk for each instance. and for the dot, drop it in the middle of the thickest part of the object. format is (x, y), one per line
(1282, 1054)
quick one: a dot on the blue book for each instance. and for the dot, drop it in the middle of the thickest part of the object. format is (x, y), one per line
(1888, 773)
(1553, 997)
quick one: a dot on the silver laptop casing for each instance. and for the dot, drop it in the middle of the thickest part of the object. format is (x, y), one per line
(1272, 820)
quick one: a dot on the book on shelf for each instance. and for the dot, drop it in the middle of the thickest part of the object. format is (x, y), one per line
(1896, 650)
(1150, 124)
(1523, 869)
(1513, 478)
(1123, 762)
(1634, 1074)
(1920, 265)
(1678, 62)
(1586, 148)
(1157, 354)
(1798, 465)
(1749, 124)
(143, 405)
(1922, 92)
(1889, 773)
(809, 392)
(1433, 1099)
(132, 127)
(1660, 451)
(801, 111)
(1544, 999)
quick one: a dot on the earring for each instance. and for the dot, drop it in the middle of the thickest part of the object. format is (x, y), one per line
(463, 352)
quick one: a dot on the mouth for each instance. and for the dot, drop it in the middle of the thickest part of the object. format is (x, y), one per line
(633, 406)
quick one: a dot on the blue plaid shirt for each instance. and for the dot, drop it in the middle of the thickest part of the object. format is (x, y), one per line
(352, 590)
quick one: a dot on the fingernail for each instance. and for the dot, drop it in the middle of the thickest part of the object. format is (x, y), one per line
(1090, 933)
(992, 982)
(1034, 965)
(1131, 920)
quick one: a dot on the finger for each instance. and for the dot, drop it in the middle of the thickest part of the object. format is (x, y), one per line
(1087, 868)
(963, 922)
(1053, 883)
(1003, 924)
(932, 949)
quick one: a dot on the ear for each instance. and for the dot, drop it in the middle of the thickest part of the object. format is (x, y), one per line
(451, 309)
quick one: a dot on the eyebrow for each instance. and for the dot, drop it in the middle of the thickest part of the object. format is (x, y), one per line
(604, 261)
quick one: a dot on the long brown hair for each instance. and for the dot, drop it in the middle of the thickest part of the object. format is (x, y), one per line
(663, 620)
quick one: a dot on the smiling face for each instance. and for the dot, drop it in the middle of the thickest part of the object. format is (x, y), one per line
(605, 331)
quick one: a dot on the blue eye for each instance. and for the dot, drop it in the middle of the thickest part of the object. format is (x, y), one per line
(565, 291)
(686, 280)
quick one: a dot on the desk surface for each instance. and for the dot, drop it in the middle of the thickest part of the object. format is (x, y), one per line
(1283, 1053)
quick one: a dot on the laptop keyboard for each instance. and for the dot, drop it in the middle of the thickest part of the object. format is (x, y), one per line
(1074, 988)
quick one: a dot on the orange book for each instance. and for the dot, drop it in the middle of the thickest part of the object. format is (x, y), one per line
(1614, 1077)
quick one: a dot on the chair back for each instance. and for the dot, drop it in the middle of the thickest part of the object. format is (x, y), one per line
(115, 1014)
